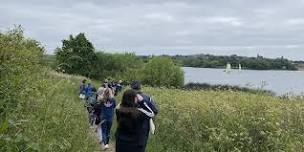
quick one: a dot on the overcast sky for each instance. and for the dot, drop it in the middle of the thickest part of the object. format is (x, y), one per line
(271, 28)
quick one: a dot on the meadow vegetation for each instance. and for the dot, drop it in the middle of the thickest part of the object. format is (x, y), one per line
(194, 121)
(40, 111)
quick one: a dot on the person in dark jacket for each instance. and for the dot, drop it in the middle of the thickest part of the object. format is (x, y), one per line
(89, 104)
(118, 87)
(136, 85)
(105, 109)
(82, 89)
(130, 134)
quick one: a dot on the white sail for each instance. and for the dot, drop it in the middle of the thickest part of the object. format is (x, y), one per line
(228, 67)
(240, 67)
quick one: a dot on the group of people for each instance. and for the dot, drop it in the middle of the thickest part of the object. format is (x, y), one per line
(134, 114)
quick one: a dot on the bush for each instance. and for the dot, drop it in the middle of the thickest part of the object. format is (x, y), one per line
(125, 66)
(161, 71)
(38, 111)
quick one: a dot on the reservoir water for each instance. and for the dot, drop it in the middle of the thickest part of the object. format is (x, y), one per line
(279, 82)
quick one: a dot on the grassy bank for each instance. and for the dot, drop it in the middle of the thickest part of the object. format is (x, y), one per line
(52, 119)
(55, 120)
(206, 86)
(226, 121)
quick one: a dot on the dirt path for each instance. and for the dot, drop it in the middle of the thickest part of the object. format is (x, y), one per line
(94, 134)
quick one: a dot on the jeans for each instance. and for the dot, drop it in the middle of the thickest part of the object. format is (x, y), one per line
(99, 133)
(106, 130)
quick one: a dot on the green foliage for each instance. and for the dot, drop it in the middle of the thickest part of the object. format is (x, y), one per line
(49, 60)
(193, 121)
(19, 57)
(256, 63)
(161, 71)
(125, 66)
(39, 110)
(76, 56)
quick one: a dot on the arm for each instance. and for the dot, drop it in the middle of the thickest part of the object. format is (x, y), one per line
(117, 115)
(147, 110)
(114, 102)
(152, 105)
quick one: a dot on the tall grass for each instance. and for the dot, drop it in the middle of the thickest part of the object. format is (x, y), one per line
(39, 110)
(226, 121)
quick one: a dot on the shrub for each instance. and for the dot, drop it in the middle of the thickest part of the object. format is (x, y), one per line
(161, 71)
(38, 111)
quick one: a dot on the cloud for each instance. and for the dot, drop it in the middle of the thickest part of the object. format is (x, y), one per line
(224, 20)
(297, 21)
(172, 26)
(160, 17)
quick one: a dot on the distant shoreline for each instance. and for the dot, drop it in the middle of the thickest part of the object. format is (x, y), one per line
(234, 69)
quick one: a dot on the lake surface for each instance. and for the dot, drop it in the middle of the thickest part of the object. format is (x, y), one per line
(279, 82)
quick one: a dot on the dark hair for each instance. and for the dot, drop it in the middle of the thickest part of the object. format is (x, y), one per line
(136, 85)
(128, 98)
(128, 105)
(84, 81)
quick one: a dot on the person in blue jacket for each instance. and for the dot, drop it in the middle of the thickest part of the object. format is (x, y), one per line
(147, 100)
(106, 105)
(88, 91)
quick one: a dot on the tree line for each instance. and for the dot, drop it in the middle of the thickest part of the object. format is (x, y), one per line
(254, 63)
(78, 56)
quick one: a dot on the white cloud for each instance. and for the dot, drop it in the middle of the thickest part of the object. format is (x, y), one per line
(160, 16)
(234, 21)
(296, 21)
(192, 26)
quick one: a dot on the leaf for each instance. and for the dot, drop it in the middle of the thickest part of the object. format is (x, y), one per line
(4, 126)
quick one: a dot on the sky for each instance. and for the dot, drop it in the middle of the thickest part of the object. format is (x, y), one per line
(271, 28)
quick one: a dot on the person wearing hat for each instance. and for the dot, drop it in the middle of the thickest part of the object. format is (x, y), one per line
(147, 103)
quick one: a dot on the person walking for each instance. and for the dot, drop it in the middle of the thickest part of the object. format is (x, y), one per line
(106, 107)
(148, 102)
(82, 89)
(88, 91)
(89, 104)
(130, 134)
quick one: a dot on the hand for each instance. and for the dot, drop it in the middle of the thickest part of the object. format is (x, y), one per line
(139, 98)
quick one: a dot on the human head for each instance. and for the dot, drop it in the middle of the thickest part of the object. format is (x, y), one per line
(93, 89)
(129, 98)
(106, 95)
(84, 81)
(135, 85)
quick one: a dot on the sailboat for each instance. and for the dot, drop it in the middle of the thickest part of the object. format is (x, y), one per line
(228, 68)
(240, 67)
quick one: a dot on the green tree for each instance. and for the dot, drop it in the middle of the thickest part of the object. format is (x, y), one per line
(161, 71)
(125, 66)
(77, 55)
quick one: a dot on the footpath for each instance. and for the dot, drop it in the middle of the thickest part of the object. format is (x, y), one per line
(94, 134)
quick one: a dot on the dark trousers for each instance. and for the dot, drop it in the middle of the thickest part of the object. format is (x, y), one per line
(146, 138)
(128, 147)
(106, 131)
(91, 116)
